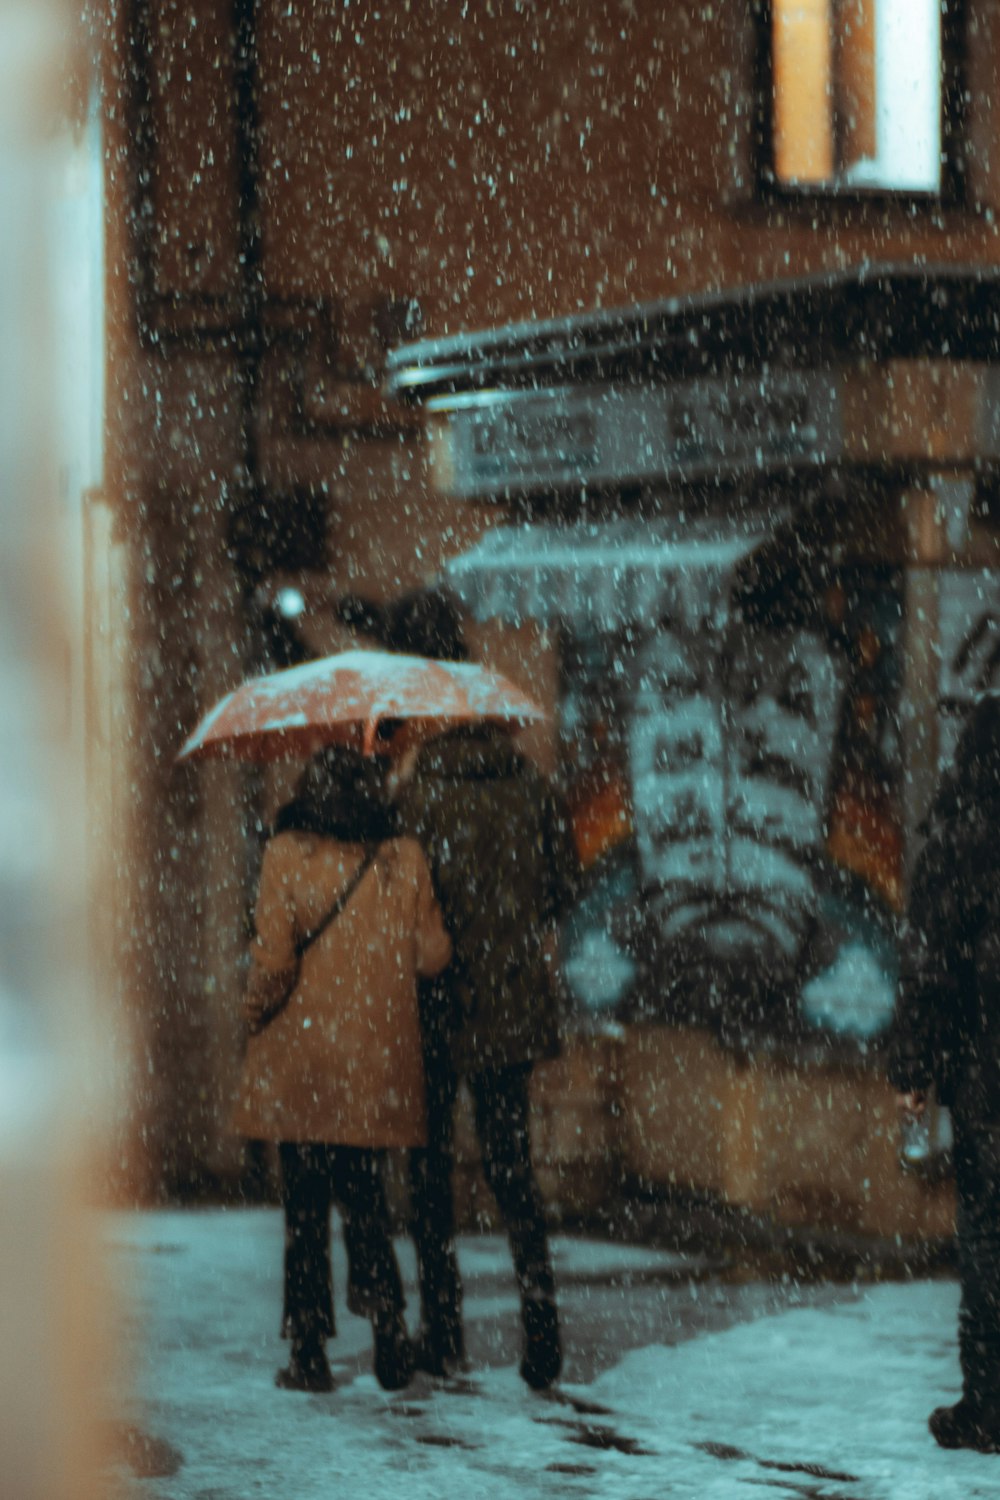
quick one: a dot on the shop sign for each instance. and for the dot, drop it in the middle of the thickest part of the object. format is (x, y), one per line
(695, 429)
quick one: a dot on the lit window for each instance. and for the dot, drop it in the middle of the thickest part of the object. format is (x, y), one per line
(857, 94)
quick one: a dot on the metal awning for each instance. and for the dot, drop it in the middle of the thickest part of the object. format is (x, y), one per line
(872, 311)
(605, 575)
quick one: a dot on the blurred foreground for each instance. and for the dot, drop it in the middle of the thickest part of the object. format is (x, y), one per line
(55, 1054)
(679, 1379)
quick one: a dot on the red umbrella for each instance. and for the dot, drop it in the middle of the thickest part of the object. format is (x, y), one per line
(343, 699)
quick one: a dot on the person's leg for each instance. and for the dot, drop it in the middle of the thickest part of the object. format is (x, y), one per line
(975, 1421)
(440, 1345)
(979, 1268)
(374, 1270)
(502, 1123)
(307, 1318)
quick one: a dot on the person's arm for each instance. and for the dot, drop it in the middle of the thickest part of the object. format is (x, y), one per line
(419, 817)
(565, 871)
(411, 809)
(929, 972)
(433, 941)
(273, 962)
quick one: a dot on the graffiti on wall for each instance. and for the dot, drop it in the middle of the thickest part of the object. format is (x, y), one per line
(739, 816)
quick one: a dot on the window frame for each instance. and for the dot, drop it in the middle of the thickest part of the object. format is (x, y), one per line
(952, 191)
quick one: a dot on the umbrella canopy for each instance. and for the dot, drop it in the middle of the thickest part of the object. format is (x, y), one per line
(343, 699)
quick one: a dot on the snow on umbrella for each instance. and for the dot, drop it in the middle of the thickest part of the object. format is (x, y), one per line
(343, 699)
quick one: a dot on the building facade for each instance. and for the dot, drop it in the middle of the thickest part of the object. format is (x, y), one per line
(727, 332)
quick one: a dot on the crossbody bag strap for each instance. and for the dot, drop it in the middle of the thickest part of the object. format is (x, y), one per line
(307, 940)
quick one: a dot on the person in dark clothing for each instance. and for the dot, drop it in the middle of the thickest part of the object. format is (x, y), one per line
(946, 1036)
(502, 861)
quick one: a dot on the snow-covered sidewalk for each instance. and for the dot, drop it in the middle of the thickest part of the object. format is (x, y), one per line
(675, 1383)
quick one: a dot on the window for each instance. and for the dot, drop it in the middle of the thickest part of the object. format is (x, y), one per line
(857, 95)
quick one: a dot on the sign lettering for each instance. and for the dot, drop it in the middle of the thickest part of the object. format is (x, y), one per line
(575, 436)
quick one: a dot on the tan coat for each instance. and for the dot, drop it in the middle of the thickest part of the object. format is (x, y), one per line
(341, 1062)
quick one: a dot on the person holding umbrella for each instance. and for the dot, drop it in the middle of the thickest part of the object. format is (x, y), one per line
(345, 921)
(503, 865)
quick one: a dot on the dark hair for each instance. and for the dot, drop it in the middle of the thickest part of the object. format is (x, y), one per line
(341, 794)
(424, 622)
(427, 623)
(363, 616)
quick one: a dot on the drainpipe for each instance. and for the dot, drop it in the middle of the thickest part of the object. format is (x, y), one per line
(250, 243)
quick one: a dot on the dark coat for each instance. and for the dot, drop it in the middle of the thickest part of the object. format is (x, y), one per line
(504, 869)
(946, 1030)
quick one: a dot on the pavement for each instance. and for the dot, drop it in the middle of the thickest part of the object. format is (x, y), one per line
(682, 1377)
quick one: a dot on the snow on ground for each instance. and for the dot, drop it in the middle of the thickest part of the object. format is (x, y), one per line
(676, 1384)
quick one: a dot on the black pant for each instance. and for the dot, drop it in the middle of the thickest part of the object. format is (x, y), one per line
(313, 1177)
(500, 1096)
(977, 1179)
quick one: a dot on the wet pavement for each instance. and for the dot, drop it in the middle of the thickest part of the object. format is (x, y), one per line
(682, 1376)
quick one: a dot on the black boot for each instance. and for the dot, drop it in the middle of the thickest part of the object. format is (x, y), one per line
(542, 1359)
(439, 1350)
(967, 1424)
(393, 1350)
(308, 1369)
